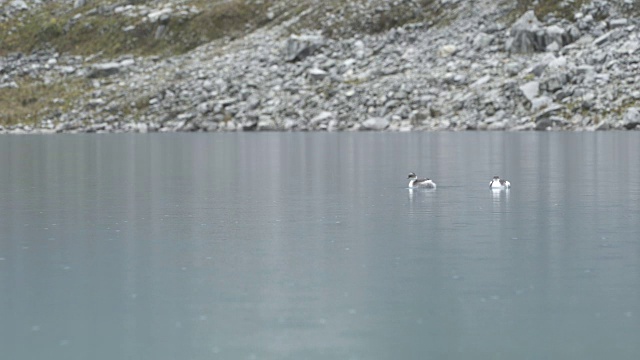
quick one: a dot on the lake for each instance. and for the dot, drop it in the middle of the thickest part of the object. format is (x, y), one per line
(311, 246)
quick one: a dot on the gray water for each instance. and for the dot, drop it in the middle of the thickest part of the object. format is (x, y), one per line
(310, 246)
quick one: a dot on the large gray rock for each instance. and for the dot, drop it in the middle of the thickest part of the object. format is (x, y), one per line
(375, 123)
(318, 74)
(447, 50)
(629, 47)
(555, 35)
(9, 85)
(602, 39)
(558, 63)
(631, 118)
(548, 111)
(513, 68)
(108, 69)
(550, 123)
(555, 82)
(540, 103)
(482, 41)
(616, 23)
(104, 69)
(530, 90)
(527, 34)
(299, 47)
(322, 118)
(20, 5)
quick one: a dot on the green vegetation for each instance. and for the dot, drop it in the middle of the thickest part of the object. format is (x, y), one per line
(542, 8)
(617, 111)
(33, 99)
(347, 17)
(95, 30)
(624, 106)
(635, 8)
(561, 9)
(227, 19)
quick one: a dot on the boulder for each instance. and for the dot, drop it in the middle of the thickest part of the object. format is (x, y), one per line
(447, 50)
(629, 47)
(556, 34)
(616, 23)
(556, 82)
(478, 83)
(482, 41)
(9, 85)
(375, 123)
(540, 103)
(299, 47)
(20, 5)
(267, 123)
(317, 74)
(513, 68)
(631, 118)
(527, 34)
(602, 39)
(107, 69)
(550, 123)
(322, 118)
(530, 90)
(548, 111)
(558, 63)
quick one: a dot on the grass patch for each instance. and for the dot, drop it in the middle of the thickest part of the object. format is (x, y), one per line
(542, 8)
(88, 30)
(634, 9)
(97, 28)
(560, 9)
(33, 100)
(137, 106)
(361, 17)
(227, 19)
(622, 109)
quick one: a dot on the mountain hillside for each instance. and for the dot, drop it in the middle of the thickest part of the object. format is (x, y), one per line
(256, 65)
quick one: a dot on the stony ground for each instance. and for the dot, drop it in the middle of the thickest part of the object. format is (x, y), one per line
(359, 65)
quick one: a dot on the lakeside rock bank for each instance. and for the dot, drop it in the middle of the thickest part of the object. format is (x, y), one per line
(477, 72)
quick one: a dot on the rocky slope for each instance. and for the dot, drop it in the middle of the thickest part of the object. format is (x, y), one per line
(330, 65)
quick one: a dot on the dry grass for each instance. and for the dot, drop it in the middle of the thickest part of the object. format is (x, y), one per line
(229, 19)
(34, 99)
(103, 32)
(635, 9)
(359, 17)
(542, 8)
(85, 32)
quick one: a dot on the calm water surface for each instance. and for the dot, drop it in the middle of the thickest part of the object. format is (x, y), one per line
(310, 246)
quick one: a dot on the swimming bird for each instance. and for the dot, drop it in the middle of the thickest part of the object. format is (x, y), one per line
(498, 183)
(415, 182)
